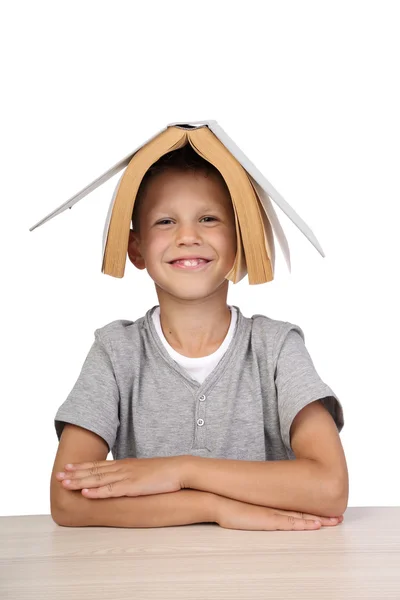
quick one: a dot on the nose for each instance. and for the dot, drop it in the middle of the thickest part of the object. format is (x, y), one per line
(188, 233)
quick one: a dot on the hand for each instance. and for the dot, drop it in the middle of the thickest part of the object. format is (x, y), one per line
(125, 477)
(234, 514)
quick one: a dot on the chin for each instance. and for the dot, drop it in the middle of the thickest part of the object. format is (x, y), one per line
(189, 292)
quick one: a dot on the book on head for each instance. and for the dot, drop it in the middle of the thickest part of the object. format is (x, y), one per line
(251, 194)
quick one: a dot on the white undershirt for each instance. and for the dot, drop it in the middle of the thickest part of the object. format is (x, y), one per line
(200, 367)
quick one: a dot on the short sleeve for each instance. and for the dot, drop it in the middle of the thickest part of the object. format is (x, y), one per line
(93, 402)
(297, 384)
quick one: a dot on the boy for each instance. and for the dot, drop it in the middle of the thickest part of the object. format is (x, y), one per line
(194, 394)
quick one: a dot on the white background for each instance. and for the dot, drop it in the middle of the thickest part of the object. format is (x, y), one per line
(308, 90)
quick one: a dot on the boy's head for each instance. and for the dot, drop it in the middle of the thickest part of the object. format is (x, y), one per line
(183, 209)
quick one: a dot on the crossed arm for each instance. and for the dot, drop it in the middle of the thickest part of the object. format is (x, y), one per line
(316, 482)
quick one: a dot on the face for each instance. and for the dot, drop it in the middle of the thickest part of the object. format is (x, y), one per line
(185, 214)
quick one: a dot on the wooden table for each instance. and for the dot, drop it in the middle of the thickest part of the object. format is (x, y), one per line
(358, 559)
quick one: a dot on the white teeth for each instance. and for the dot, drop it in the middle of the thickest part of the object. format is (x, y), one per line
(189, 263)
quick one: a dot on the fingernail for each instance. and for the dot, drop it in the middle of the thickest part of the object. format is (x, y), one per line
(61, 474)
(333, 519)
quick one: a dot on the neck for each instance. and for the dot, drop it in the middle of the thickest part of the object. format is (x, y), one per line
(195, 331)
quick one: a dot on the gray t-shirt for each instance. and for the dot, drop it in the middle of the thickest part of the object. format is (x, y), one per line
(144, 403)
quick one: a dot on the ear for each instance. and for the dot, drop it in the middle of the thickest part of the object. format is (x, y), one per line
(134, 252)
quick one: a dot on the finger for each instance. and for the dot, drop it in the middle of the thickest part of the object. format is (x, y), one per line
(88, 465)
(81, 473)
(112, 490)
(290, 523)
(92, 481)
(93, 468)
(326, 521)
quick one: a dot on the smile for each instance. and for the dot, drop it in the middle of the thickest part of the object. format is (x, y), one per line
(201, 266)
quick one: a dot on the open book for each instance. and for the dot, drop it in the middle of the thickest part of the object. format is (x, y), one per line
(251, 193)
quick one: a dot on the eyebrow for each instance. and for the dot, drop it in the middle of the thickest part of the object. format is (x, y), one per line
(167, 209)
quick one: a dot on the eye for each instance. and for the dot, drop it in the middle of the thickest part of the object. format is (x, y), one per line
(163, 221)
(166, 220)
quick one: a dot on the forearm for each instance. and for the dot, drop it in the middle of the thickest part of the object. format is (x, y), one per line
(300, 485)
(183, 507)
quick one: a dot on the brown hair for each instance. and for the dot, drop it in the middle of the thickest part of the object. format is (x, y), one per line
(184, 159)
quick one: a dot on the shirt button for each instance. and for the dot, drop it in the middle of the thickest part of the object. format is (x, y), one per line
(200, 422)
(202, 398)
